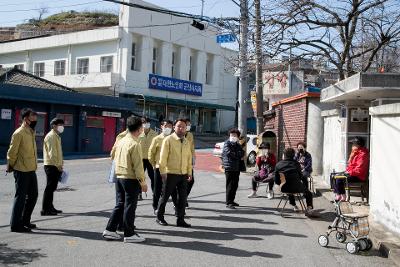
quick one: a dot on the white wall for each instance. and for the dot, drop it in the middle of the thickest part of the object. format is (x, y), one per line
(333, 147)
(315, 134)
(384, 180)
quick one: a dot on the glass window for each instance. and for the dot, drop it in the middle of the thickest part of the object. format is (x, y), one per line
(19, 67)
(173, 64)
(133, 57)
(59, 68)
(83, 66)
(106, 64)
(68, 119)
(154, 62)
(39, 69)
(94, 122)
(209, 71)
(190, 68)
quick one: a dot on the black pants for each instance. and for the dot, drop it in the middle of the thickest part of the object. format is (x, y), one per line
(254, 185)
(174, 182)
(52, 175)
(339, 186)
(174, 194)
(307, 194)
(232, 183)
(150, 172)
(26, 194)
(158, 184)
(127, 191)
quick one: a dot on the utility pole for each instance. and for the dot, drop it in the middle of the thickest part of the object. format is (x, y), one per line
(243, 86)
(202, 8)
(259, 62)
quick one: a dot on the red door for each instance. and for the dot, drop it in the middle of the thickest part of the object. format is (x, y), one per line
(109, 133)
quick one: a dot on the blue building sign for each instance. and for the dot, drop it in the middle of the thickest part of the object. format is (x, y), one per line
(175, 85)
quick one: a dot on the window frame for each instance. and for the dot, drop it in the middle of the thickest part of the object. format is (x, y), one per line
(190, 78)
(109, 67)
(154, 60)
(67, 122)
(173, 62)
(18, 67)
(57, 69)
(134, 56)
(78, 68)
(40, 72)
(94, 118)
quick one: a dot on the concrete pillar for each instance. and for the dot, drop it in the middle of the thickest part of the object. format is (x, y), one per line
(146, 54)
(201, 65)
(165, 55)
(184, 63)
(217, 71)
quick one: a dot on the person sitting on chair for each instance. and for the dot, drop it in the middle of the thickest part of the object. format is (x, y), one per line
(357, 168)
(265, 162)
(292, 171)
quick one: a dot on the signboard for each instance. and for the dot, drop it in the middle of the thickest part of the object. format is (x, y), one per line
(6, 114)
(111, 114)
(226, 38)
(276, 83)
(175, 85)
(253, 97)
(359, 115)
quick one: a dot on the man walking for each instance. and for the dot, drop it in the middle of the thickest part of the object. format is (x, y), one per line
(22, 160)
(130, 181)
(176, 170)
(154, 158)
(53, 165)
(145, 140)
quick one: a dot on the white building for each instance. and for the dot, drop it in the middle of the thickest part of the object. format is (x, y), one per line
(194, 74)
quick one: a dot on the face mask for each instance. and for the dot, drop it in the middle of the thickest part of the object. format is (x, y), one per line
(60, 129)
(301, 150)
(188, 128)
(265, 152)
(146, 125)
(233, 139)
(166, 131)
(32, 124)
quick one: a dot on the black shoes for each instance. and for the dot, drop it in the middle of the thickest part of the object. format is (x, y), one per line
(231, 206)
(162, 222)
(22, 229)
(140, 197)
(30, 226)
(182, 223)
(57, 211)
(48, 213)
(235, 204)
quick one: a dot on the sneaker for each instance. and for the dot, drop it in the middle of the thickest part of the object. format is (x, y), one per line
(295, 208)
(111, 235)
(253, 194)
(270, 194)
(231, 206)
(134, 239)
(235, 204)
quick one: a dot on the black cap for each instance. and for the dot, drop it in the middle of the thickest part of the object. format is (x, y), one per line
(359, 141)
(264, 145)
(56, 121)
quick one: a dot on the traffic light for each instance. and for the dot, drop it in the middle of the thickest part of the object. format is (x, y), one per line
(198, 25)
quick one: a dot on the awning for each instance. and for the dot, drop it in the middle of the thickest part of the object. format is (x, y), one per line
(182, 102)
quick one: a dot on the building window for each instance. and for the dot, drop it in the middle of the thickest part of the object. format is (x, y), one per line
(38, 69)
(134, 57)
(83, 66)
(106, 64)
(19, 67)
(1, 66)
(190, 68)
(154, 62)
(173, 70)
(209, 71)
(59, 68)
(94, 122)
(68, 119)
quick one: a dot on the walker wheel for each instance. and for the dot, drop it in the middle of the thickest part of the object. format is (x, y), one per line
(363, 244)
(341, 237)
(323, 240)
(353, 247)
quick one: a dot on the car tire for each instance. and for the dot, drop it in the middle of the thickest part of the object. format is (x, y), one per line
(251, 158)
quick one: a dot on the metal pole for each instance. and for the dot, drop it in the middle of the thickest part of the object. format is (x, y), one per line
(259, 85)
(202, 8)
(243, 87)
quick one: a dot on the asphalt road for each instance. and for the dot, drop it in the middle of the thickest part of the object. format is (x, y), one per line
(252, 235)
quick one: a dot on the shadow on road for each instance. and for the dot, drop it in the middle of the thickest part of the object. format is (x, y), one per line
(70, 233)
(10, 256)
(210, 248)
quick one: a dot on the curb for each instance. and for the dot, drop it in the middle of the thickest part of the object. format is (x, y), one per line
(386, 249)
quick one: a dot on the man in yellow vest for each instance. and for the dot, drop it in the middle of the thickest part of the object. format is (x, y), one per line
(22, 160)
(130, 181)
(53, 165)
(154, 158)
(176, 171)
(145, 140)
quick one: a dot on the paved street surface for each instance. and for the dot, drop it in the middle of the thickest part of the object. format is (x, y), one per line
(253, 235)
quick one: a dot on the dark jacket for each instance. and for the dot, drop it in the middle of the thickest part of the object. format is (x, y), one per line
(232, 153)
(305, 162)
(292, 170)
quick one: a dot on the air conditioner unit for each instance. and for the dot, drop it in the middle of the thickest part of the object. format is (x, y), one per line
(384, 101)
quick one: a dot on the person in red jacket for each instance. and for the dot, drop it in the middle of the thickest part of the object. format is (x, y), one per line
(357, 167)
(265, 162)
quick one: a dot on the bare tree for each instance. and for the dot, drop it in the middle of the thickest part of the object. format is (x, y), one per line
(42, 11)
(343, 32)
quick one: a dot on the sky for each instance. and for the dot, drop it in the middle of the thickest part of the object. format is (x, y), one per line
(19, 11)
